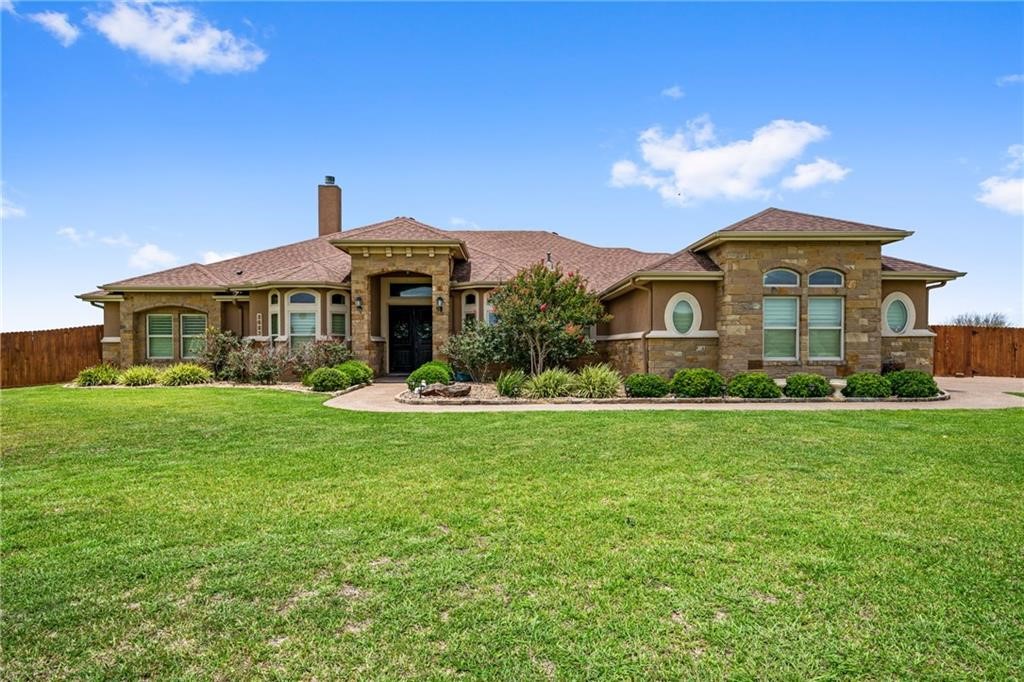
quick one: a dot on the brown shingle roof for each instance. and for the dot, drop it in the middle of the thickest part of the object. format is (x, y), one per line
(192, 275)
(779, 220)
(399, 228)
(891, 264)
(685, 261)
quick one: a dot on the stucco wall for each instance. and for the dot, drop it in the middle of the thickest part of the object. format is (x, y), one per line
(740, 317)
(706, 294)
(916, 292)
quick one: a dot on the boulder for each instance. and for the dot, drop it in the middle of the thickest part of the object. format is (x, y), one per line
(445, 391)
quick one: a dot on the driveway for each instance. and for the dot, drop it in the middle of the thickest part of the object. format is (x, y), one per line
(974, 393)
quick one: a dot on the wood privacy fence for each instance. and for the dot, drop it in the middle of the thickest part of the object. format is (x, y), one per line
(48, 357)
(986, 351)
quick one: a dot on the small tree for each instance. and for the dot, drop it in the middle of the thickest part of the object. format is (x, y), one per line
(546, 312)
(980, 320)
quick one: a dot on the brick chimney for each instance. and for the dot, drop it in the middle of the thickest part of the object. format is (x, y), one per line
(329, 206)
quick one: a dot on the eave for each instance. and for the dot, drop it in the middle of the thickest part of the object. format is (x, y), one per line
(350, 246)
(716, 238)
(923, 275)
(627, 283)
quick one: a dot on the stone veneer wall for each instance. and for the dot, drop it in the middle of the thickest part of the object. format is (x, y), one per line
(625, 355)
(913, 352)
(364, 268)
(666, 356)
(133, 309)
(739, 314)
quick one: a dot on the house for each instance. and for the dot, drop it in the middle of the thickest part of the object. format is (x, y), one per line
(779, 291)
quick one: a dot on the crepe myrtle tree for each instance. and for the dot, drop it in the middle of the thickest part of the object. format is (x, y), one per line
(546, 312)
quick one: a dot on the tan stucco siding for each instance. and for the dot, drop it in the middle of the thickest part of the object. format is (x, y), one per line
(629, 313)
(917, 292)
(111, 319)
(706, 294)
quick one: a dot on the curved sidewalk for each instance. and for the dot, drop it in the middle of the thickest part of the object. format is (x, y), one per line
(975, 393)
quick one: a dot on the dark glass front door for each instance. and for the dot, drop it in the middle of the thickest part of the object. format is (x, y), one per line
(410, 332)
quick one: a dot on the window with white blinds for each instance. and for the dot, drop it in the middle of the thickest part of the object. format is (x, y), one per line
(781, 325)
(301, 328)
(160, 337)
(193, 335)
(825, 327)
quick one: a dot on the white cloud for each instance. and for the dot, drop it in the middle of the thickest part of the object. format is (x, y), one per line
(9, 209)
(57, 24)
(214, 256)
(1010, 79)
(673, 92)
(690, 165)
(73, 235)
(177, 37)
(120, 240)
(150, 256)
(810, 174)
(7, 6)
(1004, 192)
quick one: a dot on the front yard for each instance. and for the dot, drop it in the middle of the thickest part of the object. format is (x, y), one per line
(230, 533)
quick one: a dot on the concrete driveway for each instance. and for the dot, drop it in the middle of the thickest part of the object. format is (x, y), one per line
(975, 393)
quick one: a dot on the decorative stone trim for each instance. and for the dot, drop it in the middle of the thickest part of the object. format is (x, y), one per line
(628, 336)
(410, 398)
(111, 339)
(697, 334)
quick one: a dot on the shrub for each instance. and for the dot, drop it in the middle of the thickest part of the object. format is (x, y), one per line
(697, 383)
(867, 385)
(807, 386)
(754, 385)
(185, 373)
(476, 349)
(139, 375)
(251, 363)
(433, 372)
(328, 379)
(646, 386)
(510, 383)
(317, 354)
(358, 371)
(551, 383)
(216, 351)
(912, 383)
(98, 375)
(597, 381)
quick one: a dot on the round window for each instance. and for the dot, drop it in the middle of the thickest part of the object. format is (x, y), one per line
(896, 316)
(682, 317)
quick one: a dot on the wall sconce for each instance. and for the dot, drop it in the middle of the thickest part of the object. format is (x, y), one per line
(359, 303)
(440, 304)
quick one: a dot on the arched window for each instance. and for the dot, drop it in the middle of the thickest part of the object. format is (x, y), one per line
(825, 278)
(274, 306)
(898, 314)
(339, 314)
(303, 315)
(781, 277)
(469, 307)
(682, 314)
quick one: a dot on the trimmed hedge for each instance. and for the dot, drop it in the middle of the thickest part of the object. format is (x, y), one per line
(98, 375)
(597, 381)
(433, 372)
(358, 371)
(510, 383)
(185, 374)
(754, 385)
(328, 379)
(646, 386)
(697, 383)
(139, 375)
(803, 385)
(912, 383)
(867, 385)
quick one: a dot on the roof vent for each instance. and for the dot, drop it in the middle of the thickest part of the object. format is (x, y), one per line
(328, 179)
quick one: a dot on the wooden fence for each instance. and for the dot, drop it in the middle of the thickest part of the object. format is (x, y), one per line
(986, 351)
(48, 357)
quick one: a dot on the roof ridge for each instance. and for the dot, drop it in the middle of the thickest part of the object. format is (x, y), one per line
(776, 209)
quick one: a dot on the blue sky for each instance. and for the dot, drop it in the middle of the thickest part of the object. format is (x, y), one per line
(136, 137)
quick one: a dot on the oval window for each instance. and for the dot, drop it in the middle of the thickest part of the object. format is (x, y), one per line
(302, 297)
(682, 317)
(896, 316)
(781, 278)
(825, 278)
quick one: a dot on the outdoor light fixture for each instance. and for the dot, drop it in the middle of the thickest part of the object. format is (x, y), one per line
(359, 303)
(440, 304)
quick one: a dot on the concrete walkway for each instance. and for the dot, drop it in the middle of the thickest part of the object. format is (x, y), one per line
(975, 393)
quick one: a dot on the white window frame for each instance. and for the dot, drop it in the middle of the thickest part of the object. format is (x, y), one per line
(764, 277)
(488, 310)
(149, 336)
(337, 309)
(274, 310)
(842, 279)
(908, 329)
(182, 336)
(841, 328)
(290, 308)
(796, 332)
(670, 309)
(475, 311)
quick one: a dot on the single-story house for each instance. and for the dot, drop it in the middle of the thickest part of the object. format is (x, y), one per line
(779, 291)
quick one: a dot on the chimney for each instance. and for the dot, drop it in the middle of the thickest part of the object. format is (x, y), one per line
(329, 206)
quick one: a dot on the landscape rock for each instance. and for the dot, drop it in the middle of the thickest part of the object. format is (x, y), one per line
(445, 391)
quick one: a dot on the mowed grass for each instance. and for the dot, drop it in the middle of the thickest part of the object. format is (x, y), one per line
(205, 533)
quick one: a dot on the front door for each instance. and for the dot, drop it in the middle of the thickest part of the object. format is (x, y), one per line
(410, 335)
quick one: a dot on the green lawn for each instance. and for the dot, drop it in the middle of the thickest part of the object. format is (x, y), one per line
(227, 533)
